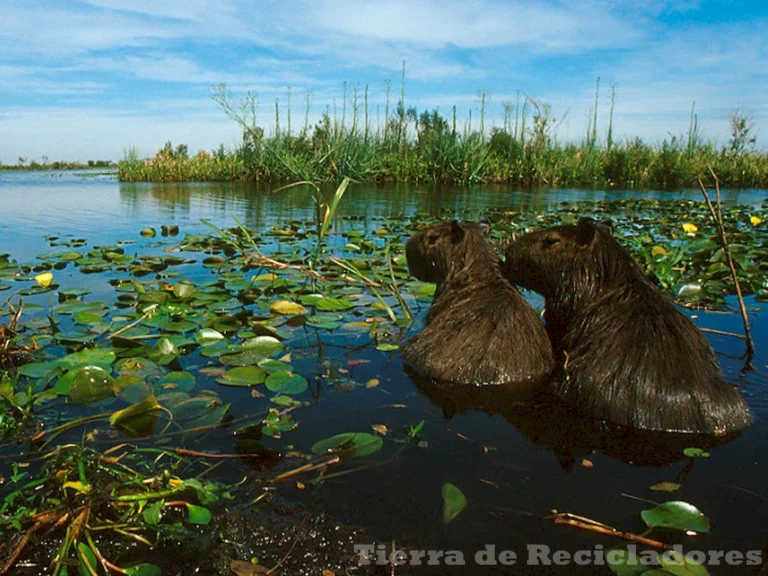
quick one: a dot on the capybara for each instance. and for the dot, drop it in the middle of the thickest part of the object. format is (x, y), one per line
(479, 328)
(627, 354)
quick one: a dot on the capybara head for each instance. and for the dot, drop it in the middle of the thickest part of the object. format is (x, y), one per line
(441, 250)
(580, 258)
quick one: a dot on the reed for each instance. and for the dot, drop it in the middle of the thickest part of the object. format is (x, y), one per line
(427, 147)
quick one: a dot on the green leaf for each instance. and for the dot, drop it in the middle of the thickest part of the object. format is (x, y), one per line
(333, 304)
(695, 453)
(287, 308)
(153, 513)
(678, 515)
(675, 563)
(386, 347)
(183, 289)
(177, 380)
(86, 556)
(37, 369)
(624, 563)
(266, 345)
(349, 444)
(243, 376)
(143, 570)
(91, 384)
(286, 382)
(92, 356)
(454, 502)
(208, 337)
(198, 514)
(138, 418)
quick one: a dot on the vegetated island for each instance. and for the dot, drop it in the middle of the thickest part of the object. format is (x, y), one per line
(428, 147)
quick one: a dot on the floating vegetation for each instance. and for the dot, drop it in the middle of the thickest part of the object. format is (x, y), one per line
(178, 338)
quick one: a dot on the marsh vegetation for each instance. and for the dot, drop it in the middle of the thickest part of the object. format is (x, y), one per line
(401, 144)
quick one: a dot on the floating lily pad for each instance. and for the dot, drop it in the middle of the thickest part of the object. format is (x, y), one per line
(243, 376)
(286, 382)
(349, 444)
(287, 308)
(454, 502)
(678, 515)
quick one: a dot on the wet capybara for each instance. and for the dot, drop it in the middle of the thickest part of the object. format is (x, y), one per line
(479, 328)
(626, 352)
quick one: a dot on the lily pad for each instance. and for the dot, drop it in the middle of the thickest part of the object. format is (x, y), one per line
(243, 376)
(286, 382)
(678, 515)
(454, 502)
(349, 444)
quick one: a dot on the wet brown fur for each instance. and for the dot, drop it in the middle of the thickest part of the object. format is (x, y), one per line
(480, 329)
(627, 354)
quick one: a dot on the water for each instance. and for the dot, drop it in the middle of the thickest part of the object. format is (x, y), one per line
(508, 464)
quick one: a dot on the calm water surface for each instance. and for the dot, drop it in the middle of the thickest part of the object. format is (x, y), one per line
(530, 463)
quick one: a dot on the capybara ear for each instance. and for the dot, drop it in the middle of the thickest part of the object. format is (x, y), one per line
(607, 224)
(457, 232)
(586, 230)
(485, 227)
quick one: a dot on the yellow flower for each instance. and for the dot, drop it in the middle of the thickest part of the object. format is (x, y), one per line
(656, 250)
(755, 220)
(690, 228)
(44, 279)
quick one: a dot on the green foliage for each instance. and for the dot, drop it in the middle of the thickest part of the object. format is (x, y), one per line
(427, 148)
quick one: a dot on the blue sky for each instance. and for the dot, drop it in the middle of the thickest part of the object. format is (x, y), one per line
(86, 79)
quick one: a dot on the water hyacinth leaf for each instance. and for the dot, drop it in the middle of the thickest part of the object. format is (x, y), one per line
(243, 376)
(287, 308)
(286, 382)
(678, 515)
(198, 514)
(454, 502)
(349, 444)
(208, 337)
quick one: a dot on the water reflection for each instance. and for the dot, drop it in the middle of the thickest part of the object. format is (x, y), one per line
(547, 422)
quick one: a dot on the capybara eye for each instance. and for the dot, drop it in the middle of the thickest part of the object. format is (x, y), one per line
(432, 238)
